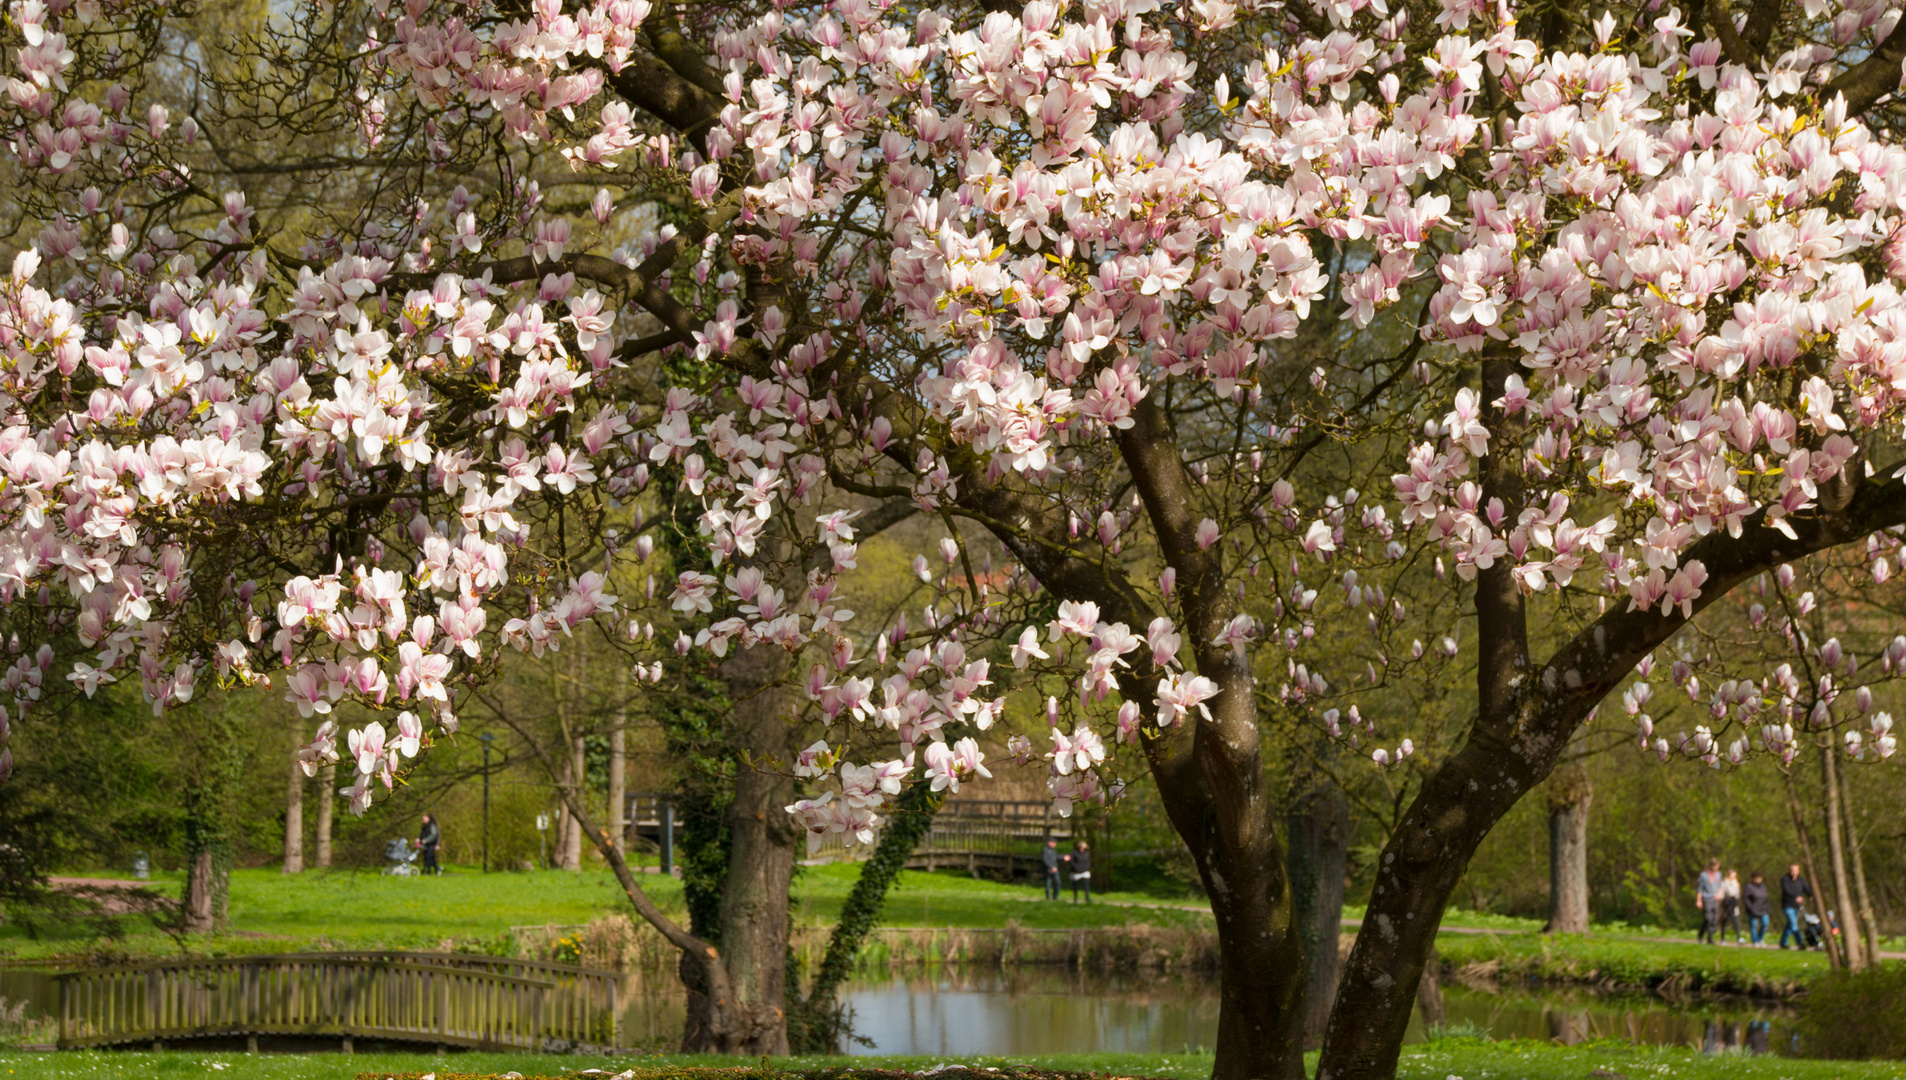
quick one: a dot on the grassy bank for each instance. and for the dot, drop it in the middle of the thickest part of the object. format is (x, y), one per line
(1621, 963)
(1470, 1059)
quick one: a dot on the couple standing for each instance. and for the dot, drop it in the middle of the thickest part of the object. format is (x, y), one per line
(1077, 862)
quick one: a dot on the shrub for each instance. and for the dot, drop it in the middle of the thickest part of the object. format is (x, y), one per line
(1856, 1015)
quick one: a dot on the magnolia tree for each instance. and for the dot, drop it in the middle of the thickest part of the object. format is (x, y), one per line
(1105, 281)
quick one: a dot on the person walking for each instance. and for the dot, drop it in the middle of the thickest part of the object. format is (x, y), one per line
(1731, 907)
(427, 840)
(1755, 905)
(1050, 858)
(1794, 893)
(1707, 897)
(1081, 872)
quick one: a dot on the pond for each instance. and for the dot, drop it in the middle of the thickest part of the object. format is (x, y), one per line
(1043, 1010)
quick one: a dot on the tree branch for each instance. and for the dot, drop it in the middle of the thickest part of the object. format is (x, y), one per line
(1873, 78)
(1731, 43)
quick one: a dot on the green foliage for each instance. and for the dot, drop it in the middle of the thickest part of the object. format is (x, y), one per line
(693, 726)
(1856, 1015)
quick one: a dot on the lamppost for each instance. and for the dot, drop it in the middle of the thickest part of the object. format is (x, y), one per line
(487, 738)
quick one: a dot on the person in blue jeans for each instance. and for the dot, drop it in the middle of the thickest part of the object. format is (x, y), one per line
(1754, 904)
(1794, 893)
(1049, 858)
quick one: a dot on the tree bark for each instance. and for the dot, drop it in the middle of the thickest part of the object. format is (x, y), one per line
(1850, 941)
(199, 911)
(618, 769)
(572, 826)
(1869, 922)
(1210, 773)
(294, 820)
(1319, 846)
(754, 904)
(327, 798)
(1570, 794)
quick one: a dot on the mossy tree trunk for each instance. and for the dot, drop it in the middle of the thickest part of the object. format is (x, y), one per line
(211, 782)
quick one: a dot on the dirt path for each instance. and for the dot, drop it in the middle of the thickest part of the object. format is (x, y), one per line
(114, 897)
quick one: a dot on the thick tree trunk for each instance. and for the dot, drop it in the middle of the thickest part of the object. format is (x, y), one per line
(572, 828)
(294, 820)
(1210, 773)
(1319, 846)
(199, 909)
(1570, 794)
(208, 824)
(1850, 941)
(754, 904)
(327, 798)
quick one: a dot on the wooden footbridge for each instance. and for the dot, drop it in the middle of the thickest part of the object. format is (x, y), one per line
(444, 999)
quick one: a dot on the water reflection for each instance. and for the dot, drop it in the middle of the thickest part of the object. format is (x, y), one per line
(1573, 1016)
(960, 1011)
(1033, 1012)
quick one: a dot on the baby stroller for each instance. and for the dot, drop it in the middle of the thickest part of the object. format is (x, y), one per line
(403, 859)
(1810, 931)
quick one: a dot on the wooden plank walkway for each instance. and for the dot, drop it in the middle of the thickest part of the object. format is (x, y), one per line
(446, 999)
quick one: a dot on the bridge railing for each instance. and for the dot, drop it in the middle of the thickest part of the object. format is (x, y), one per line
(449, 999)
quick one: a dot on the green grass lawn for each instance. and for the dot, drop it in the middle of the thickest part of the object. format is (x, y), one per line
(1469, 1059)
(955, 900)
(361, 909)
(356, 909)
